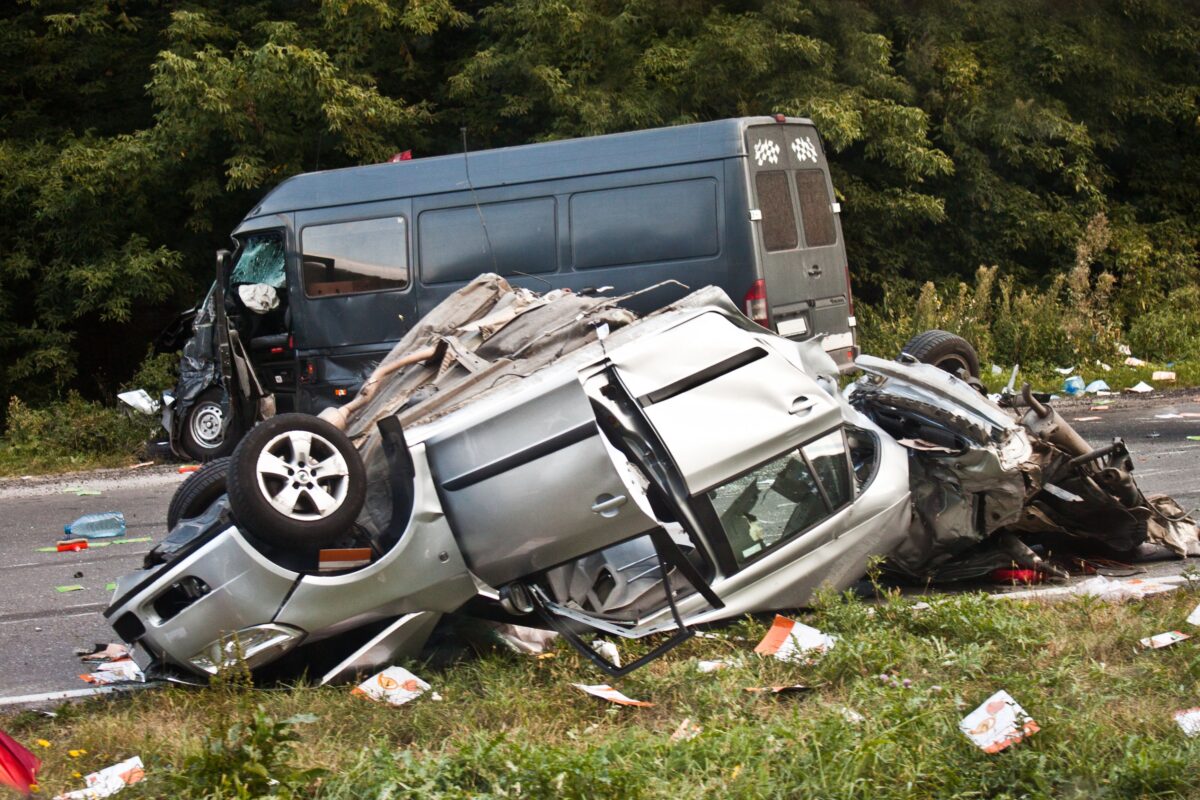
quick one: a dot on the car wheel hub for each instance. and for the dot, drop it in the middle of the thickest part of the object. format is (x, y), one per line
(206, 424)
(302, 475)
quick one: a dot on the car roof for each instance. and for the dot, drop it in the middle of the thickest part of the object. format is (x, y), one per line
(590, 155)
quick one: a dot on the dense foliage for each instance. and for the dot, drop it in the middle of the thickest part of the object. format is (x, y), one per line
(963, 133)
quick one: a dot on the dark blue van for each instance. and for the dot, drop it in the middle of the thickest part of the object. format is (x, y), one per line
(332, 268)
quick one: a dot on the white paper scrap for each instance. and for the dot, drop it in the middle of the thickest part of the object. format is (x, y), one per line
(108, 781)
(395, 685)
(998, 723)
(1141, 388)
(789, 640)
(121, 671)
(606, 692)
(1163, 640)
(1194, 617)
(1189, 721)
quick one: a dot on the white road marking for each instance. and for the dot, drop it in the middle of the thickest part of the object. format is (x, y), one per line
(68, 694)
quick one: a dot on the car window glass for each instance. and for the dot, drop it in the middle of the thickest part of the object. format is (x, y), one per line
(768, 505)
(816, 209)
(367, 255)
(863, 451)
(778, 214)
(828, 458)
(261, 261)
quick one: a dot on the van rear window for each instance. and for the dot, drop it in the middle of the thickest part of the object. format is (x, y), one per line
(816, 210)
(778, 214)
(366, 255)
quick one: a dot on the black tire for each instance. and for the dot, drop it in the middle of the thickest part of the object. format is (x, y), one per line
(280, 503)
(199, 431)
(944, 350)
(198, 492)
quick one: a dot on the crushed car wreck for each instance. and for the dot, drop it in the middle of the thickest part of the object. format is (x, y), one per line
(553, 460)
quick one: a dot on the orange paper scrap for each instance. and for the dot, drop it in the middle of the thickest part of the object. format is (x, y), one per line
(395, 686)
(108, 781)
(1163, 640)
(789, 640)
(999, 723)
(606, 692)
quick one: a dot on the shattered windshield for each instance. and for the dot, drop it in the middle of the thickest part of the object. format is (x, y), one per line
(261, 261)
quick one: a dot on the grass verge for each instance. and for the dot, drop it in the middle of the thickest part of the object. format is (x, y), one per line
(512, 726)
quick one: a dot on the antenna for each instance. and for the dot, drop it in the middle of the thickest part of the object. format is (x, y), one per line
(478, 210)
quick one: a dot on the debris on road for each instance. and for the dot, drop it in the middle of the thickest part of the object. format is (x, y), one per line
(119, 671)
(394, 686)
(80, 491)
(606, 692)
(788, 640)
(188, 468)
(18, 766)
(74, 587)
(1141, 387)
(108, 781)
(70, 545)
(999, 722)
(104, 652)
(1161, 640)
(103, 525)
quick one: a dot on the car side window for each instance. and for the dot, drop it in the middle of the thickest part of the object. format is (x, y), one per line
(828, 458)
(366, 255)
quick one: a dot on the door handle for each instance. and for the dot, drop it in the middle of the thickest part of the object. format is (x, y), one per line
(814, 271)
(608, 505)
(803, 404)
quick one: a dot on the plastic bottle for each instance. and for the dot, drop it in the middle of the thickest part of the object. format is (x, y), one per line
(104, 525)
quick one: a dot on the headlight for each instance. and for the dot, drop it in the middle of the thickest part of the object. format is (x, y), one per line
(254, 646)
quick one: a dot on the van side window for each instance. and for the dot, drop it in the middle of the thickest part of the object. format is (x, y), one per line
(366, 255)
(778, 214)
(816, 211)
(520, 237)
(642, 224)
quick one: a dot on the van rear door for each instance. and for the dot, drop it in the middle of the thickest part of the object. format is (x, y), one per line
(799, 238)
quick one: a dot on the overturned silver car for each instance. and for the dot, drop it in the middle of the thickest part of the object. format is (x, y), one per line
(554, 461)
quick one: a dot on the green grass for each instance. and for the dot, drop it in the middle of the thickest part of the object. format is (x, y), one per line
(512, 726)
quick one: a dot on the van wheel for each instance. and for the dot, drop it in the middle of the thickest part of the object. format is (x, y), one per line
(946, 351)
(198, 492)
(296, 481)
(201, 436)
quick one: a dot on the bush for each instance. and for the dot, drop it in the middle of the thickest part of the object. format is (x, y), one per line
(1172, 330)
(71, 433)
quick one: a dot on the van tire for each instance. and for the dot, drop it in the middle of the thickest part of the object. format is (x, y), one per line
(296, 481)
(944, 350)
(199, 434)
(198, 492)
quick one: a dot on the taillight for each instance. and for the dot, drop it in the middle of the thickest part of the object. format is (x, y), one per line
(755, 302)
(292, 340)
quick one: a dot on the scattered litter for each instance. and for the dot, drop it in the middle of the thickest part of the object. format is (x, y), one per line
(110, 586)
(795, 687)
(714, 666)
(1168, 415)
(333, 560)
(998, 723)
(1190, 415)
(1100, 407)
(1141, 388)
(141, 464)
(522, 639)
(108, 781)
(1064, 371)
(105, 525)
(1013, 576)
(1162, 375)
(686, 731)
(1193, 438)
(1194, 617)
(18, 766)
(186, 468)
(1162, 640)
(104, 652)
(1153, 435)
(1103, 366)
(1188, 721)
(77, 575)
(1087, 419)
(395, 686)
(996, 370)
(1134, 362)
(80, 491)
(919, 607)
(606, 692)
(71, 588)
(788, 640)
(1124, 350)
(852, 716)
(1097, 386)
(120, 671)
(131, 540)
(70, 546)
(1073, 385)
(608, 651)
(1107, 589)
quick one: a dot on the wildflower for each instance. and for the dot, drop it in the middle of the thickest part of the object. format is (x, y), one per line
(76, 753)
(43, 743)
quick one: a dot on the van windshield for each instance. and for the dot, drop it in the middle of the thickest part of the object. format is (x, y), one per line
(261, 261)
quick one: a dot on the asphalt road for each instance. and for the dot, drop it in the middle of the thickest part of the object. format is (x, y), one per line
(40, 628)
